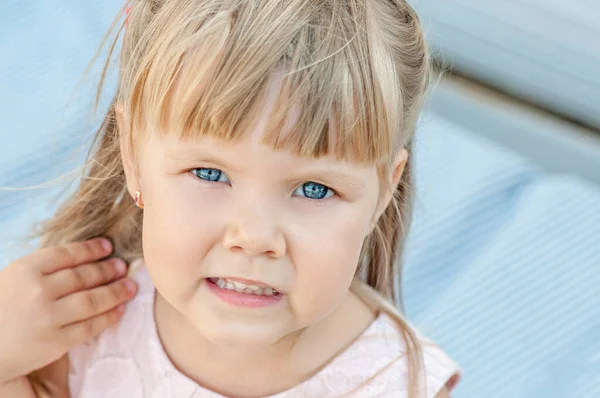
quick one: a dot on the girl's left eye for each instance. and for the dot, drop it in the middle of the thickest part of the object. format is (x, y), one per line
(314, 190)
(208, 174)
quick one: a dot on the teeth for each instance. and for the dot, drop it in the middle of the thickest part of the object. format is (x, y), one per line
(239, 287)
(243, 288)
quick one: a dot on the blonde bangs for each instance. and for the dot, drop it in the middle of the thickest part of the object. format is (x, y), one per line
(206, 69)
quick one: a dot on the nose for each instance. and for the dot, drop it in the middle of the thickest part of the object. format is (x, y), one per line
(253, 230)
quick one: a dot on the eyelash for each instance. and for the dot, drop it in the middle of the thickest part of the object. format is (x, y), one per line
(320, 201)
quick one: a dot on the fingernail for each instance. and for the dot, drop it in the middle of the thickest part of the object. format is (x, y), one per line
(129, 285)
(107, 245)
(119, 265)
(121, 309)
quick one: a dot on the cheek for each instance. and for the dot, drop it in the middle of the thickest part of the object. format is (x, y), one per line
(180, 227)
(326, 258)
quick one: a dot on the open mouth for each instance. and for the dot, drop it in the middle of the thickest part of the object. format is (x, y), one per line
(244, 294)
(244, 288)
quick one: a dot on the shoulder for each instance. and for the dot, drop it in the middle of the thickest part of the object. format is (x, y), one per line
(111, 349)
(385, 353)
(123, 334)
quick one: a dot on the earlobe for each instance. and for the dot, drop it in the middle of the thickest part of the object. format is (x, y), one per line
(138, 200)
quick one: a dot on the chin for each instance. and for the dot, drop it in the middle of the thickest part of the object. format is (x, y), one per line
(237, 334)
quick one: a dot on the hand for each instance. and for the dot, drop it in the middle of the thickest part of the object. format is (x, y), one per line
(55, 299)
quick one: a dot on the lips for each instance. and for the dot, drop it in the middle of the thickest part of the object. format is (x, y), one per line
(246, 295)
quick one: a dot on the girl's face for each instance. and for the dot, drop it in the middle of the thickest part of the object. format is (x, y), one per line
(218, 213)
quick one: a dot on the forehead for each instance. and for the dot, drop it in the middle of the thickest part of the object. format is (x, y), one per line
(250, 150)
(274, 115)
(246, 153)
(260, 129)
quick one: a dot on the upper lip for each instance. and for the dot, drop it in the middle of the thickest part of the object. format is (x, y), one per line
(248, 282)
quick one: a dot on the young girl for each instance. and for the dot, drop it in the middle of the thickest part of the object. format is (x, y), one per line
(254, 171)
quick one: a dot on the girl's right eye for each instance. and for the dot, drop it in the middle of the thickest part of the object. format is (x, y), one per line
(208, 174)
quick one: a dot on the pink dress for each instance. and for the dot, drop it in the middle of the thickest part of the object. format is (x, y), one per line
(128, 361)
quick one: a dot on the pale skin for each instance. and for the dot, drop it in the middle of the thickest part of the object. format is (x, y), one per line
(51, 301)
(252, 222)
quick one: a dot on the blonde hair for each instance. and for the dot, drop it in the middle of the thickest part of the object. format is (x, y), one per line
(190, 67)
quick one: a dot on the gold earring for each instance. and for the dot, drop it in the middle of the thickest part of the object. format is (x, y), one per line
(138, 199)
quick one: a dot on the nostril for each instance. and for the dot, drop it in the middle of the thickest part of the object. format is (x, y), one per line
(236, 249)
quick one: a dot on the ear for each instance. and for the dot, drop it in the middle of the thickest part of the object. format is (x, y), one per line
(127, 152)
(393, 179)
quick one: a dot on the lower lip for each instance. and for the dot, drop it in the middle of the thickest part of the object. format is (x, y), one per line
(243, 300)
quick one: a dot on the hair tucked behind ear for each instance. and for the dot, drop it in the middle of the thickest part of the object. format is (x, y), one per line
(380, 265)
(382, 250)
(380, 268)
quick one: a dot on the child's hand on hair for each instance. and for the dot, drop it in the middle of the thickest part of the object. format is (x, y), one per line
(55, 299)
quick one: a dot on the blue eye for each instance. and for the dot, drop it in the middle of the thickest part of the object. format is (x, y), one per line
(314, 190)
(208, 174)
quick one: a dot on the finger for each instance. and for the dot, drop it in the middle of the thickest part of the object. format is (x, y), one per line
(54, 259)
(90, 303)
(84, 277)
(78, 332)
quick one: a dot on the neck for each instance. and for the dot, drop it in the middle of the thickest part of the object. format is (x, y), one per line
(236, 372)
(230, 371)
